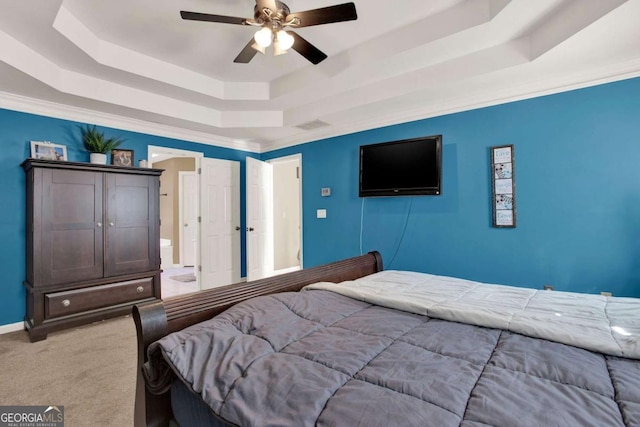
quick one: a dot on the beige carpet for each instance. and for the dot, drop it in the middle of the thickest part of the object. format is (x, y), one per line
(90, 370)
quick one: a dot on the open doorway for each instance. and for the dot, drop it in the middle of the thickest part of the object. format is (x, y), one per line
(274, 220)
(178, 216)
(217, 196)
(200, 220)
(287, 218)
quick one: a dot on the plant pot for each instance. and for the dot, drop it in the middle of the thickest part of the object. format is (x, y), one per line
(98, 158)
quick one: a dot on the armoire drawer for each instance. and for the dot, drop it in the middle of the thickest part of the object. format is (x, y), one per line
(64, 303)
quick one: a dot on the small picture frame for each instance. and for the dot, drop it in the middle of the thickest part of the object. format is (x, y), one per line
(503, 187)
(122, 157)
(45, 150)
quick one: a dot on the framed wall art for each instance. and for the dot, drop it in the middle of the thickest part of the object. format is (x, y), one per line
(122, 157)
(503, 186)
(46, 150)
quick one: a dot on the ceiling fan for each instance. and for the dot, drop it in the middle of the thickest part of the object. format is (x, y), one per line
(274, 17)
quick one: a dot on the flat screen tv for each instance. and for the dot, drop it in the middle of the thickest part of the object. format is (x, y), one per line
(401, 168)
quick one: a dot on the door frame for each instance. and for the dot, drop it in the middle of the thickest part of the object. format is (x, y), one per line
(157, 154)
(288, 158)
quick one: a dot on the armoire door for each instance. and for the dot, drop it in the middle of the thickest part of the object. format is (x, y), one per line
(70, 233)
(132, 236)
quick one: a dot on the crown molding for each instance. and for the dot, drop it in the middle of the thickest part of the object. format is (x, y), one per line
(609, 74)
(40, 107)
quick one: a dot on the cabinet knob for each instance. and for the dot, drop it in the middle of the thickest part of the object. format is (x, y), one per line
(99, 225)
(66, 303)
(237, 228)
(111, 224)
(139, 289)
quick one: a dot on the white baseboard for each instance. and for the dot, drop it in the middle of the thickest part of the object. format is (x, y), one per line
(11, 327)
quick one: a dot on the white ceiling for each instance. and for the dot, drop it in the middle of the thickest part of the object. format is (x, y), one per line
(135, 64)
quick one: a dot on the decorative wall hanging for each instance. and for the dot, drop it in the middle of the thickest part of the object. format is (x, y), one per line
(503, 186)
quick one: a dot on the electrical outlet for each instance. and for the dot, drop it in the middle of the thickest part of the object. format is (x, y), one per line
(547, 287)
(606, 294)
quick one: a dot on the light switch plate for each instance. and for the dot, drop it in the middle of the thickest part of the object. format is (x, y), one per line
(321, 213)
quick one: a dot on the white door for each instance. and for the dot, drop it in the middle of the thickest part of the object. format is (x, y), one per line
(188, 217)
(220, 223)
(259, 219)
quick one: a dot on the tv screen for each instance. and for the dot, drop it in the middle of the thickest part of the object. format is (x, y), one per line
(401, 168)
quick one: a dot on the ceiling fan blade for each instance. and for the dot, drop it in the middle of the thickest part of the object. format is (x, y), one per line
(325, 15)
(246, 54)
(195, 16)
(306, 49)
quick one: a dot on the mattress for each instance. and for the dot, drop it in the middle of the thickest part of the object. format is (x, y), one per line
(610, 325)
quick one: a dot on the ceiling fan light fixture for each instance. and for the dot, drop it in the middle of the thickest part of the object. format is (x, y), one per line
(274, 16)
(285, 40)
(259, 48)
(263, 37)
(277, 48)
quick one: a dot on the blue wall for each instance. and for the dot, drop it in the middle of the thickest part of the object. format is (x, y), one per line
(577, 170)
(17, 130)
(577, 174)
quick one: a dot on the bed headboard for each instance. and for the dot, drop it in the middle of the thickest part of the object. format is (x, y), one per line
(156, 319)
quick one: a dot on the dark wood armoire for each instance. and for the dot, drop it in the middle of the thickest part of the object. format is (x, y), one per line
(93, 242)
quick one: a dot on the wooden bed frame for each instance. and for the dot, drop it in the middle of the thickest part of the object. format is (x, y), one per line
(156, 319)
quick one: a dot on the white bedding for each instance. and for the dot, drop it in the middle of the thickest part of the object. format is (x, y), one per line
(609, 325)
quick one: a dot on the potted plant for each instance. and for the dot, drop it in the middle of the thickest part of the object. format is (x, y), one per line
(97, 144)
